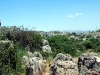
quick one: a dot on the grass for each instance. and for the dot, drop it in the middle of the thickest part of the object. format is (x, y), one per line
(20, 69)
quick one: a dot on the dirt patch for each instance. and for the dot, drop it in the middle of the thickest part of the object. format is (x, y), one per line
(47, 68)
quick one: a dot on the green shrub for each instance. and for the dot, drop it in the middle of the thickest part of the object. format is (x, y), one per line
(7, 58)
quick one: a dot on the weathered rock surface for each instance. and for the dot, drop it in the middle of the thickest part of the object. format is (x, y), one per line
(89, 64)
(63, 64)
(45, 42)
(46, 47)
(37, 54)
(34, 65)
(25, 60)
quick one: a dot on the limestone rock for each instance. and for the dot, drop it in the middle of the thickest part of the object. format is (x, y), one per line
(89, 64)
(25, 60)
(45, 42)
(47, 49)
(63, 65)
(37, 54)
(34, 66)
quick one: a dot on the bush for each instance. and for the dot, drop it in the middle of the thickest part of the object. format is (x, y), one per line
(87, 44)
(35, 42)
(7, 59)
(97, 49)
(61, 44)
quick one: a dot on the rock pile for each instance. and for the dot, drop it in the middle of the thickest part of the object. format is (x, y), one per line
(89, 64)
(63, 64)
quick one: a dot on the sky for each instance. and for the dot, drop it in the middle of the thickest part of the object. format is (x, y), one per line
(48, 15)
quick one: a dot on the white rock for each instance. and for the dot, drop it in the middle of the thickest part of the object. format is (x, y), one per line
(25, 60)
(47, 49)
(45, 42)
(30, 54)
(35, 66)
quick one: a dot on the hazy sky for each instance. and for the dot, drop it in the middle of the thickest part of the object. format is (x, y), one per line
(50, 15)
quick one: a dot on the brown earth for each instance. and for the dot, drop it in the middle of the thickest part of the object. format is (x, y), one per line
(47, 68)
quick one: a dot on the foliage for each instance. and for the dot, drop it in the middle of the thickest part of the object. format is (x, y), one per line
(87, 44)
(62, 44)
(7, 58)
(35, 42)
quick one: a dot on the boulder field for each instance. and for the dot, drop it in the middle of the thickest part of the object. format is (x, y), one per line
(64, 64)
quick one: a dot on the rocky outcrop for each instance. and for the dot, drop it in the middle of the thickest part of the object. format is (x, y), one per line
(25, 60)
(89, 64)
(45, 42)
(37, 54)
(34, 65)
(46, 47)
(63, 64)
